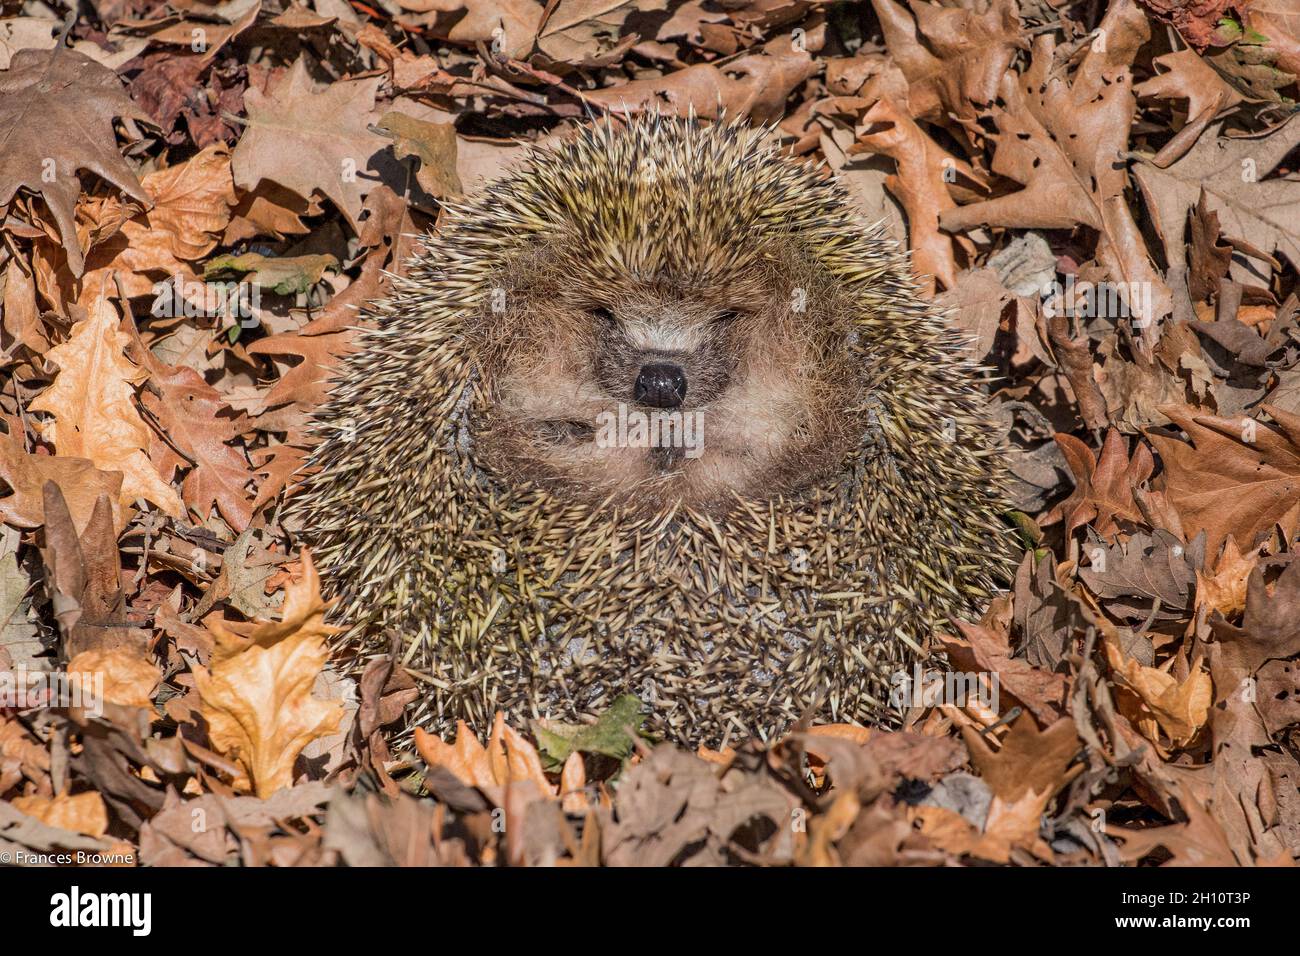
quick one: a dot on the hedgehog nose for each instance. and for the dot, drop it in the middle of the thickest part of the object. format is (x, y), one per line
(661, 385)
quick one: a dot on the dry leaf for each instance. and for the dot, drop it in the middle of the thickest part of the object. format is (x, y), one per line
(92, 401)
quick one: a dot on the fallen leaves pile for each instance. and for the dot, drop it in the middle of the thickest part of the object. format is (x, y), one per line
(195, 197)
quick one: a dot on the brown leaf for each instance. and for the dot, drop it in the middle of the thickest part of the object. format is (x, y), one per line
(984, 650)
(1270, 629)
(74, 101)
(82, 484)
(80, 813)
(1231, 173)
(1103, 485)
(1030, 761)
(83, 579)
(1060, 138)
(1224, 590)
(1236, 476)
(1154, 700)
(324, 129)
(197, 422)
(754, 86)
(920, 186)
(128, 679)
(952, 57)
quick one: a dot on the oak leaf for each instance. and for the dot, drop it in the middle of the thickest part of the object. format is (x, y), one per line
(191, 207)
(197, 422)
(1103, 484)
(93, 407)
(920, 185)
(324, 129)
(1060, 139)
(952, 57)
(1236, 477)
(257, 697)
(74, 101)
(1233, 174)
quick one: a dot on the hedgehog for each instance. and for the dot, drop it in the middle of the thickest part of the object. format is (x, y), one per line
(656, 414)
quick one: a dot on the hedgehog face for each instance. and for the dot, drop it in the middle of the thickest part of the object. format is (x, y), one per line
(662, 389)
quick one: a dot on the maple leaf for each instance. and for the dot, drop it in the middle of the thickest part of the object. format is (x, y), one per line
(326, 130)
(92, 401)
(1236, 477)
(1103, 485)
(303, 613)
(1031, 767)
(74, 101)
(257, 697)
(1224, 590)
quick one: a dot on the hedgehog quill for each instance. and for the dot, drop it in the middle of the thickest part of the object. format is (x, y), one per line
(654, 414)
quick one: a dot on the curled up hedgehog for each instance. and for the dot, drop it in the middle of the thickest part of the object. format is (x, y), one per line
(655, 415)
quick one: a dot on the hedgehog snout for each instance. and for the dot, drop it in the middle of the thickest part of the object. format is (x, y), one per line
(660, 385)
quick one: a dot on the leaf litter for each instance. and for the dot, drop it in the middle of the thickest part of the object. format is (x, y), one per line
(1105, 196)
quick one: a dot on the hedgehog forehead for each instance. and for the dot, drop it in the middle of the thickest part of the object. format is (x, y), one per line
(679, 199)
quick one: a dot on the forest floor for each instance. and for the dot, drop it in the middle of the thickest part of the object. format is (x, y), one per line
(1106, 197)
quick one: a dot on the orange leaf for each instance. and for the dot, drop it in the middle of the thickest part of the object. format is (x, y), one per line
(258, 699)
(83, 813)
(93, 404)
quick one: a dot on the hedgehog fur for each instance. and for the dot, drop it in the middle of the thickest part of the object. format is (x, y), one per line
(849, 502)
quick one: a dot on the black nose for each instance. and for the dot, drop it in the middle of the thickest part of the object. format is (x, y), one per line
(661, 385)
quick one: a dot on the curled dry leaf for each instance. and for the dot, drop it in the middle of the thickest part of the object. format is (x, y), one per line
(507, 758)
(1154, 700)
